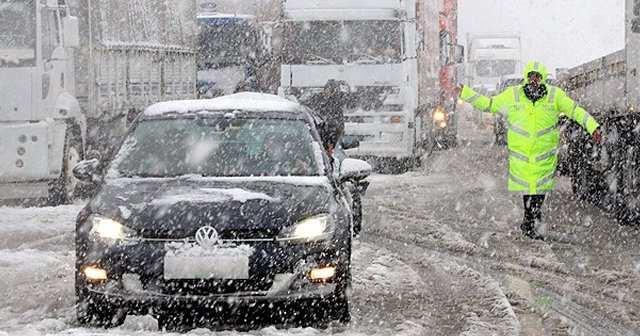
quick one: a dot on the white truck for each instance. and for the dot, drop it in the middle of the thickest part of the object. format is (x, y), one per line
(391, 55)
(231, 45)
(490, 57)
(73, 72)
(609, 89)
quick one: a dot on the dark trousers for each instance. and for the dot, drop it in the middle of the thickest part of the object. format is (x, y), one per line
(532, 208)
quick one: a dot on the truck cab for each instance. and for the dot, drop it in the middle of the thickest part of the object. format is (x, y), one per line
(371, 48)
(40, 123)
(228, 49)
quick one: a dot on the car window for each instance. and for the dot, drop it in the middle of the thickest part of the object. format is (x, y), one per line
(213, 147)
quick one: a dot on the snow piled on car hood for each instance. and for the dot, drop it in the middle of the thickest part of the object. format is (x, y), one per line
(208, 195)
(245, 101)
(321, 181)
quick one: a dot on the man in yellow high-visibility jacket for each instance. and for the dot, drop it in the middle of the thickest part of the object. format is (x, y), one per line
(531, 112)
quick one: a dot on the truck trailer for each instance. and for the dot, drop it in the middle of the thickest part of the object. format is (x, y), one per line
(396, 60)
(609, 88)
(73, 73)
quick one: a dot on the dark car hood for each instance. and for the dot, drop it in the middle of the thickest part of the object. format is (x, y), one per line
(176, 208)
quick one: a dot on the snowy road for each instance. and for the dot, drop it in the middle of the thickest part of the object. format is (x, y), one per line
(440, 254)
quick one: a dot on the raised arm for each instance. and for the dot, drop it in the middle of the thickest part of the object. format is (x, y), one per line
(576, 113)
(480, 102)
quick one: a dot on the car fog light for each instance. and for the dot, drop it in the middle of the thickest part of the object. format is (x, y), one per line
(322, 273)
(95, 273)
(443, 124)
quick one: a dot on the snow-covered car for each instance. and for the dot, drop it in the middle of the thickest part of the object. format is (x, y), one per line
(210, 208)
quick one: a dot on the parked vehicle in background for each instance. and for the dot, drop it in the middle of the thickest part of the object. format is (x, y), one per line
(234, 46)
(72, 73)
(609, 88)
(269, 228)
(489, 58)
(395, 60)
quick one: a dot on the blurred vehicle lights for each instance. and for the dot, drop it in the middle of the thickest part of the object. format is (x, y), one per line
(322, 273)
(95, 273)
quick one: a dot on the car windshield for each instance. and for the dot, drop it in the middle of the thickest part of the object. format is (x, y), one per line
(328, 42)
(214, 147)
(225, 43)
(17, 31)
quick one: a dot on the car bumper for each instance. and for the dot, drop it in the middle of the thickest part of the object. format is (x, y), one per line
(143, 300)
(286, 269)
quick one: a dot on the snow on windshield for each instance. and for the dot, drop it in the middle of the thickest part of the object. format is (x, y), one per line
(218, 147)
(17, 31)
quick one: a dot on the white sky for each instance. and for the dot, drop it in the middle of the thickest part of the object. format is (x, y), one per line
(559, 33)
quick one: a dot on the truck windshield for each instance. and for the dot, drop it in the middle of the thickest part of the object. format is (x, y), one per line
(17, 32)
(495, 68)
(225, 43)
(341, 42)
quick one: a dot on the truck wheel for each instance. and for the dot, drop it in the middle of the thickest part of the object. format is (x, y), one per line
(63, 188)
(102, 316)
(631, 182)
(583, 185)
(175, 321)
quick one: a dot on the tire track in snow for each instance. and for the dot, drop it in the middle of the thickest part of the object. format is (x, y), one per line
(581, 318)
(485, 310)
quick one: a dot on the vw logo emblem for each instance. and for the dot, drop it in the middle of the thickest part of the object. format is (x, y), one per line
(207, 237)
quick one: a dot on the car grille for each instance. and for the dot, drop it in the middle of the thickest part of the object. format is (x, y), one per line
(203, 287)
(226, 235)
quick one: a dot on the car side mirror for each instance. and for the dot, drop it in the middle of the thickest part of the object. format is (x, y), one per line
(354, 169)
(86, 171)
(350, 141)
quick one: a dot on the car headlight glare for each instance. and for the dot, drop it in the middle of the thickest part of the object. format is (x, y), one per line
(108, 228)
(310, 229)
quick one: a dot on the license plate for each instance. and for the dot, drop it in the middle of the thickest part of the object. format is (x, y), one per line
(214, 265)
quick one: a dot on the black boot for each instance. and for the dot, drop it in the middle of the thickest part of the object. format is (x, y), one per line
(532, 213)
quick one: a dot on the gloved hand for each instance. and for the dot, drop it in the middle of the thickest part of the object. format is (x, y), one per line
(456, 90)
(597, 135)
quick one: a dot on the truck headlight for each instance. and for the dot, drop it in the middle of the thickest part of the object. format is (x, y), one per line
(311, 229)
(107, 228)
(439, 115)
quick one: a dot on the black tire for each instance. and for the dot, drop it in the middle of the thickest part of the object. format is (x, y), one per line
(394, 166)
(175, 321)
(90, 314)
(582, 186)
(356, 211)
(337, 305)
(631, 183)
(62, 190)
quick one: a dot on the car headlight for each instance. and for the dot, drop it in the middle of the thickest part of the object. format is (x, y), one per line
(107, 228)
(311, 229)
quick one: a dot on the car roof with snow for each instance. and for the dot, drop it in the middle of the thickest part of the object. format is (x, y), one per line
(244, 101)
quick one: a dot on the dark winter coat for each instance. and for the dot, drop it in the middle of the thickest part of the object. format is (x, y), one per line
(331, 111)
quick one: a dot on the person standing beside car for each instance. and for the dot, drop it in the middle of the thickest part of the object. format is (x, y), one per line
(329, 106)
(532, 112)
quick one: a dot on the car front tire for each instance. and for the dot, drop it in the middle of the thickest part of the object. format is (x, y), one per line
(90, 314)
